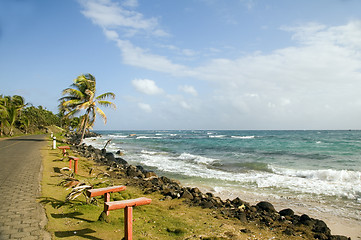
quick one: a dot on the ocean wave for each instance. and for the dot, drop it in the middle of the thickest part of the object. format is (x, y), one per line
(297, 183)
(146, 137)
(329, 175)
(243, 137)
(196, 158)
(217, 136)
(153, 153)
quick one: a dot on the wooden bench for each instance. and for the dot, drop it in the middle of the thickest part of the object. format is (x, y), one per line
(64, 148)
(75, 163)
(106, 192)
(128, 212)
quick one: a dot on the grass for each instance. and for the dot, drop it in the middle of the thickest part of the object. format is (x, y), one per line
(162, 219)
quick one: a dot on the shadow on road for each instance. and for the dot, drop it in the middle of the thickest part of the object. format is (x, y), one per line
(26, 139)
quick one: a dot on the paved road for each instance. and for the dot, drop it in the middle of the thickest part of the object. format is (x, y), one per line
(21, 216)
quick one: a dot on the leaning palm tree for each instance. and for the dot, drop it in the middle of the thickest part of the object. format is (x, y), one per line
(81, 97)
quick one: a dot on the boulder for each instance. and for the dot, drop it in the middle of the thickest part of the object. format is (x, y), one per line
(287, 212)
(266, 206)
(187, 195)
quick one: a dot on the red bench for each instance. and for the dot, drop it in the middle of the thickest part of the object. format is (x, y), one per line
(106, 192)
(75, 163)
(64, 148)
(128, 212)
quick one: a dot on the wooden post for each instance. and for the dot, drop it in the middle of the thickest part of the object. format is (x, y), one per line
(106, 199)
(76, 165)
(106, 192)
(128, 212)
(128, 225)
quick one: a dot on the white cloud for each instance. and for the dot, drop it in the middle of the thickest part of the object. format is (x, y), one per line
(130, 3)
(111, 15)
(146, 86)
(188, 89)
(145, 107)
(286, 86)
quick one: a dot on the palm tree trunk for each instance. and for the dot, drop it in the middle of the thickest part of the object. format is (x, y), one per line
(85, 127)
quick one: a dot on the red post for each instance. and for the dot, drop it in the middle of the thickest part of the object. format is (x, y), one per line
(128, 223)
(64, 148)
(75, 163)
(128, 212)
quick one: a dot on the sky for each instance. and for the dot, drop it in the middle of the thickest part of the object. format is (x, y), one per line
(191, 64)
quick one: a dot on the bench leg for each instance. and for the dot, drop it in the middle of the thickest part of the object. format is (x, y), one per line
(70, 163)
(76, 166)
(106, 199)
(128, 221)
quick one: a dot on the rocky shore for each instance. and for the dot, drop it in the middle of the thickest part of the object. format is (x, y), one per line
(263, 214)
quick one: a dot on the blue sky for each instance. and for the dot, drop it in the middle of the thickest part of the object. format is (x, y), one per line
(194, 64)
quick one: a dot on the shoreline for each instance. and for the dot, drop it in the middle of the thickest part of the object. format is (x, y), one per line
(250, 202)
(338, 225)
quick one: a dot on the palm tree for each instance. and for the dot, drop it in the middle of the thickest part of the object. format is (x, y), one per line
(81, 96)
(13, 106)
(3, 114)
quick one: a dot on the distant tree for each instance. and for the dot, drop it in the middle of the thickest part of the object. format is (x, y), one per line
(81, 97)
(38, 118)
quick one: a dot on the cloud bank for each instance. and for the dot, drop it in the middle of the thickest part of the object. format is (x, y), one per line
(312, 84)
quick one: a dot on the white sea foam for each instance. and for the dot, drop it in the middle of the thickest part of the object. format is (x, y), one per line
(196, 158)
(146, 137)
(217, 136)
(311, 183)
(243, 137)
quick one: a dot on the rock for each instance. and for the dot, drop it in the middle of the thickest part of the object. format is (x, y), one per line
(266, 206)
(132, 171)
(120, 153)
(187, 195)
(287, 212)
(121, 161)
(306, 220)
(339, 237)
(321, 227)
(150, 174)
(110, 157)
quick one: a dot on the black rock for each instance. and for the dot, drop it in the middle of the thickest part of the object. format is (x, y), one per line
(287, 212)
(266, 206)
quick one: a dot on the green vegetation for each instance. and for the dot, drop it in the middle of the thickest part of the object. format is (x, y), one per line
(18, 117)
(162, 219)
(81, 96)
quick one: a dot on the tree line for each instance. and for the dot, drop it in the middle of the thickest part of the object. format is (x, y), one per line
(77, 110)
(17, 116)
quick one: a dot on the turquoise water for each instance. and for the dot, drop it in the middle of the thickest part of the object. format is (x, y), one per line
(322, 166)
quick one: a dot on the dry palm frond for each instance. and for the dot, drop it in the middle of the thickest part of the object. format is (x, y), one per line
(77, 191)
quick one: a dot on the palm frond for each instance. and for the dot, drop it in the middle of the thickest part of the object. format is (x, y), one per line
(106, 95)
(102, 114)
(107, 104)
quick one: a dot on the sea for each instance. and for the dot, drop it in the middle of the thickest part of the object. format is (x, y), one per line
(314, 171)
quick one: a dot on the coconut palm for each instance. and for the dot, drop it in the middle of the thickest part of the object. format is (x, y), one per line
(13, 105)
(81, 97)
(3, 114)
